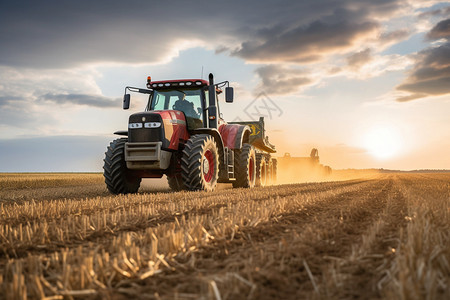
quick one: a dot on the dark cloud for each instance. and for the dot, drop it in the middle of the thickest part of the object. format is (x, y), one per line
(7, 100)
(359, 59)
(276, 79)
(82, 99)
(441, 30)
(305, 44)
(430, 75)
(57, 34)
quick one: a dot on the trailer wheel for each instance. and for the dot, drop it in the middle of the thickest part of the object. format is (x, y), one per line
(273, 175)
(270, 171)
(262, 173)
(200, 163)
(175, 182)
(118, 179)
(245, 167)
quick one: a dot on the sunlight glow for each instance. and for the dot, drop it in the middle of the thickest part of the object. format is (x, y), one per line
(383, 142)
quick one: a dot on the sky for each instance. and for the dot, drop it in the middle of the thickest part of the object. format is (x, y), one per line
(365, 82)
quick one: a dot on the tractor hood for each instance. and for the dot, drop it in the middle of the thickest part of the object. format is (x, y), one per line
(168, 127)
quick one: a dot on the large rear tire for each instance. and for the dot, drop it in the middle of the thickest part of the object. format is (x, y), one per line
(262, 174)
(245, 167)
(118, 179)
(200, 163)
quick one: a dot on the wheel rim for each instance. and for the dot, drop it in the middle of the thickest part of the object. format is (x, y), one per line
(251, 170)
(208, 166)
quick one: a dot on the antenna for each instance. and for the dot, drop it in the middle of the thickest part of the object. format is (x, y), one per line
(202, 73)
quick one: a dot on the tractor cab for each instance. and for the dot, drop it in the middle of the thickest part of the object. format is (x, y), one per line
(197, 99)
(188, 96)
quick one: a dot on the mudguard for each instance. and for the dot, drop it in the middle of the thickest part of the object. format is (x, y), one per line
(215, 134)
(234, 135)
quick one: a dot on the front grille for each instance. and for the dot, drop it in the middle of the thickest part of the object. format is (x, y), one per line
(142, 135)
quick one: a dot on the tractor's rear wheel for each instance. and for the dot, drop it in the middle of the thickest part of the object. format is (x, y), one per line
(200, 163)
(118, 179)
(262, 173)
(175, 182)
(245, 167)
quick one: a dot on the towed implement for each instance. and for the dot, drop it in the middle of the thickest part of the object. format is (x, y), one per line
(181, 134)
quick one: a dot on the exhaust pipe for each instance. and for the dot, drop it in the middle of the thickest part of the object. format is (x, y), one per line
(211, 79)
(212, 109)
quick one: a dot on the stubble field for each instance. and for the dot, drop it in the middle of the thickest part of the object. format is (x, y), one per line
(62, 236)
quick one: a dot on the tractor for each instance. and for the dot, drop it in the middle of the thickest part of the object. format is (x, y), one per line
(181, 134)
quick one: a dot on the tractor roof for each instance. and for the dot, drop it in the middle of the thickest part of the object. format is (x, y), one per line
(167, 84)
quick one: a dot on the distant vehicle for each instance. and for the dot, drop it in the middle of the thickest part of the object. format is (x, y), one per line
(303, 167)
(181, 134)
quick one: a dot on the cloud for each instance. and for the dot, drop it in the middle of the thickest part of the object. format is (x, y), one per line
(440, 12)
(33, 101)
(441, 30)
(81, 99)
(430, 75)
(61, 34)
(305, 44)
(388, 38)
(7, 100)
(358, 59)
(276, 79)
(54, 35)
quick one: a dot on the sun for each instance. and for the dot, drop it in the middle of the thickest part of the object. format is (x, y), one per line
(383, 142)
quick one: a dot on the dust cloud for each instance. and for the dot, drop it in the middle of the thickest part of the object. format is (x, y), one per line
(309, 169)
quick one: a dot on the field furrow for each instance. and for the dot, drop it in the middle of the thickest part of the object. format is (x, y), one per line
(37, 227)
(384, 237)
(278, 254)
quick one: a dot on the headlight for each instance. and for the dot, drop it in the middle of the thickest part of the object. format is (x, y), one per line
(152, 124)
(135, 125)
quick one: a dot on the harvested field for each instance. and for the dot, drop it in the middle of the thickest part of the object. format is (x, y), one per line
(382, 236)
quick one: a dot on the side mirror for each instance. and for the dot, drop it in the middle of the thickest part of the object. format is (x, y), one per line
(229, 94)
(126, 101)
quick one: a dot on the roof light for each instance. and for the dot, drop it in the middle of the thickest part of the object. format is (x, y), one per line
(155, 85)
(167, 84)
(181, 83)
(198, 83)
(149, 79)
(188, 83)
(160, 84)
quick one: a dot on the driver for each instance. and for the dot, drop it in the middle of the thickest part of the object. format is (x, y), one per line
(186, 106)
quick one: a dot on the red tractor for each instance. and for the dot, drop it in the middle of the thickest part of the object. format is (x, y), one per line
(181, 135)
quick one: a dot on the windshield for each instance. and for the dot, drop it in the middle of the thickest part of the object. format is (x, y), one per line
(187, 101)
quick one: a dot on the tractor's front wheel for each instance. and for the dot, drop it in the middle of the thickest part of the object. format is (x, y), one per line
(200, 163)
(118, 179)
(245, 167)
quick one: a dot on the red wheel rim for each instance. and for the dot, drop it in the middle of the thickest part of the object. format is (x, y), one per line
(208, 166)
(251, 169)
